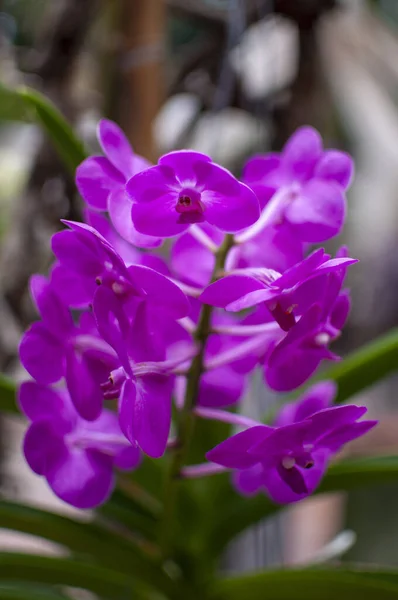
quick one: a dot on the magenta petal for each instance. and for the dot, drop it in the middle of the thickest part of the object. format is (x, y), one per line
(280, 441)
(155, 262)
(294, 478)
(318, 213)
(301, 153)
(151, 184)
(128, 253)
(221, 387)
(116, 147)
(38, 401)
(233, 452)
(96, 177)
(42, 355)
(158, 218)
(40, 443)
(84, 391)
(318, 397)
(53, 313)
(128, 458)
(112, 323)
(294, 369)
(119, 207)
(335, 166)
(302, 270)
(187, 251)
(145, 338)
(336, 439)
(229, 289)
(71, 289)
(334, 264)
(333, 418)
(309, 320)
(259, 167)
(182, 162)
(165, 295)
(215, 178)
(82, 478)
(75, 254)
(231, 213)
(104, 435)
(340, 311)
(249, 481)
(251, 299)
(152, 413)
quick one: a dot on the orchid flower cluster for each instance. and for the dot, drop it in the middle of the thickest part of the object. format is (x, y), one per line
(125, 333)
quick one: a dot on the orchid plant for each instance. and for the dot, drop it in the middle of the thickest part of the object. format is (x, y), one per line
(147, 334)
(181, 282)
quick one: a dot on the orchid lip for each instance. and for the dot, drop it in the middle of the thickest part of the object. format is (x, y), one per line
(190, 207)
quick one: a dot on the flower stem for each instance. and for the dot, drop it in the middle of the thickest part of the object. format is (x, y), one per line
(186, 415)
(226, 417)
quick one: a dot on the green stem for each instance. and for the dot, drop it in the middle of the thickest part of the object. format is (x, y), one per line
(186, 416)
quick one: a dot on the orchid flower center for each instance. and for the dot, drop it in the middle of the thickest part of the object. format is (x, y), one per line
(322, 339)
(288, 462)
(283, 316)
(190, 207)
(303, 460)
(293, 191)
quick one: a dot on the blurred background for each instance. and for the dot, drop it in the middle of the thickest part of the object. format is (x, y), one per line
(230, 78)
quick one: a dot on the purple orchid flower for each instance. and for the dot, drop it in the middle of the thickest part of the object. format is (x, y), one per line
(85, 252)
(185, 188)
(143, 387)
(316, 398)
(297, 356)
(304, 186)
(280, 293)
(274, 247)
(135, 333)
(289, 461)
(101, 180)
(196, 248)
(55, 347)
(129, 254)
(76, 457)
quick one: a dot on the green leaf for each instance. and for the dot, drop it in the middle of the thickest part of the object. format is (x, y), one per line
(126, 511)
(233, 513)
(365, 366)
(20, 591)
(60, 571)
(7, 395)
(353, 473)
(309, 584)
(13, 107)
(67, 144)
(91, 540)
